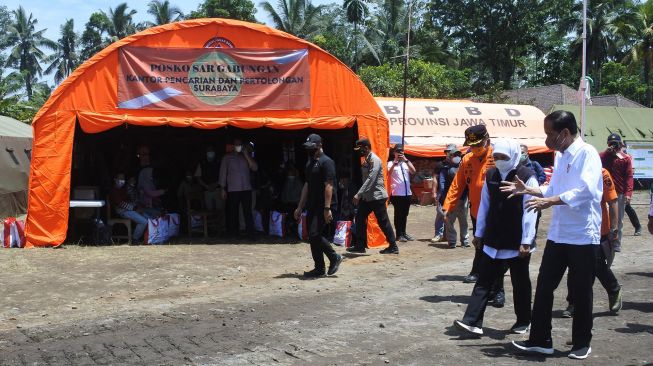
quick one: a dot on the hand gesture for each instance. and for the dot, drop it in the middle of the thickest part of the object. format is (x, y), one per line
(515, 188)
(356, 199)
(538, 204)
(298, 213)
(524, 250)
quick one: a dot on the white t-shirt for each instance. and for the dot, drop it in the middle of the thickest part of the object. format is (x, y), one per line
(399, 179)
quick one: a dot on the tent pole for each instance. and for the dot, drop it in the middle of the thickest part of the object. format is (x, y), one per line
(403, 120)
(583, 78)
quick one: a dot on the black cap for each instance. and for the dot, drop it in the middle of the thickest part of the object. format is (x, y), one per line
(474, 135)
(313, 141)
(399, 147)
(614, 137)
(450, 147)
(362, 142)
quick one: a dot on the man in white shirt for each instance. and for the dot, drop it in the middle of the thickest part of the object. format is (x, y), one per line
(574, 235)
(399, 171)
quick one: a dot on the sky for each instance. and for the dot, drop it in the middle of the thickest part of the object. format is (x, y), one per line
(51, 14)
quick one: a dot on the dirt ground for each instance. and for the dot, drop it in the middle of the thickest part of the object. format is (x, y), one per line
(246, 304)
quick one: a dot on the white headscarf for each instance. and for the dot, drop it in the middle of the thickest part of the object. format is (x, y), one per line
(510, 148)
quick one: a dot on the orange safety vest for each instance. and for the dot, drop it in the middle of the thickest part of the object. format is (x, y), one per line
(471, 174)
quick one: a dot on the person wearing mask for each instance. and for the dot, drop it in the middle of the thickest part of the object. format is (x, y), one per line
(459, 212)
(371, 197)
(399, 171)
(526, 161)
(235, 180)
(470, 177)
(605, 253)
(438, 196)
(504, 232)
(574, 193)
(319, 198)
(620, 166)
(126, 208)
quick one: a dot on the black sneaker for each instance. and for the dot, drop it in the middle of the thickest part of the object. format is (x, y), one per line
(638, 231)
(470, 278)
(393, 249)
(452, 245)
(356, 250)
(315, 273)
(544, 348)
(402, 239)
(499, 299)
(568, 312)
(615, 301)
(580, 353)
(334, 265)
(408, 237)
(520, 328)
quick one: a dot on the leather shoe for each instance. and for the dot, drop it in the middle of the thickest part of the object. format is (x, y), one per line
(393, 249)
(314, 273)
(334, 265)
(356, 250)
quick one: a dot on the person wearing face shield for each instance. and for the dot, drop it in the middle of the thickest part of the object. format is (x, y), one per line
(236, 185)
(620, 166)
(574, 194)
(207, 174)
(504, 232)
(371, 197)
(126, 207)
(470, 177)
(319, 198)
(459, 212)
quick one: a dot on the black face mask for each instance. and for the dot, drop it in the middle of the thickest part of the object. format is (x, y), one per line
(311, 153)
(362, 152)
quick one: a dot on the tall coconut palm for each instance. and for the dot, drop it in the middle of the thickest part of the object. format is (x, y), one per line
(65, 58)
(163, 12)
(357, 10)
(641, 52)
(120, 22)
(297, 17)
(604, 21)
(26, 43)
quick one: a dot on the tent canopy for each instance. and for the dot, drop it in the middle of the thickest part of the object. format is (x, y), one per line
(432, 124)
(315, 91)
(633, 124)
(15, 152)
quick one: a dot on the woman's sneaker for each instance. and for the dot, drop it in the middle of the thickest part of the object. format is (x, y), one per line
(544, 348)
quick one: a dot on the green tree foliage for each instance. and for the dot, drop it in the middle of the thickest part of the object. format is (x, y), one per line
(425, 80)
(297, 17)
(641, 47)
(5, 20)
(119, 22)
(230, 9)
(92, 40)
(618, 79)
(64, 60)
(163, 12)
(26, 50)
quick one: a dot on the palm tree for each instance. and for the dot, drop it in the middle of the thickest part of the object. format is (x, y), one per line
(356, 11)
(65, 59)
(605, 18)
(297, 17)
(26, 53)
(641, 52)
(120, 22)
(163, 12)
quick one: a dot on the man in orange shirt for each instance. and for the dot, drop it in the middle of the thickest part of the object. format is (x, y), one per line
(605, 251)
(471, 177)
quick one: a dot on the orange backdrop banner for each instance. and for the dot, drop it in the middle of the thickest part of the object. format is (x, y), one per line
(207, 79)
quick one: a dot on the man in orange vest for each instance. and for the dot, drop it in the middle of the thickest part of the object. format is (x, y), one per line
(471, 177)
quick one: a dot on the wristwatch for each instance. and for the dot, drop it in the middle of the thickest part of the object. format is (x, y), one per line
(327, 209)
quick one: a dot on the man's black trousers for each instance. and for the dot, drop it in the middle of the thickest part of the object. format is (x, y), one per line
(381, 213)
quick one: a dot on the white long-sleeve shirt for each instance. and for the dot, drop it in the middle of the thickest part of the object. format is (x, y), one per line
(577, 180)
(527, 223)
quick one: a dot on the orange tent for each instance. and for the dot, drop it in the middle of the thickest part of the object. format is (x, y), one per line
(432, 124)
(333, 98)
